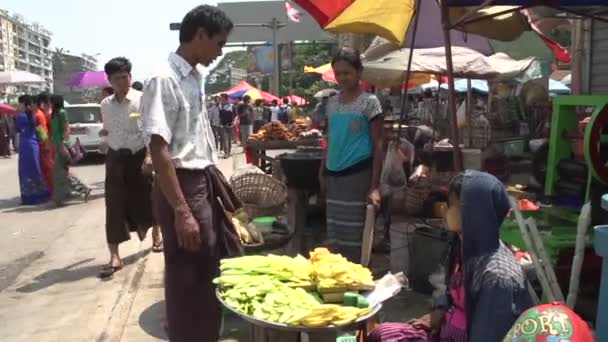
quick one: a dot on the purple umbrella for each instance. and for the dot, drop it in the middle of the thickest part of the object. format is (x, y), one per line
(88, 79)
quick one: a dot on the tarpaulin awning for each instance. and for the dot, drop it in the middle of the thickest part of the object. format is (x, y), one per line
(298, 100)
(19, 77)
(88, 79)
(253, 93)
(239, 86)
(461, 86)
(467, 64)
(7, 109)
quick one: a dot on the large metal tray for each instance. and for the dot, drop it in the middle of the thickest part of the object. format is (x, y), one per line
(284, 327)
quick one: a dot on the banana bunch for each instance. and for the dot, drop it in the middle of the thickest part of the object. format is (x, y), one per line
(328, 314)
(333, 271)
(240, 219)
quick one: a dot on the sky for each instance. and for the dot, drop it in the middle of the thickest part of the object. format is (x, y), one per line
(136, 29)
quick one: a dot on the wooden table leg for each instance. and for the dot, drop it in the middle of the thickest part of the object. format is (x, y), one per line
(296, 220)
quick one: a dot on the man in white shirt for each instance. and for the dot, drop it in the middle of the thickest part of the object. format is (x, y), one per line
(128, 185)
(184, 155)
(274, 111)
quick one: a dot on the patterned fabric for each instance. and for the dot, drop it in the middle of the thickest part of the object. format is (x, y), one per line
(58, 123)
(454, 328)
(47, 157)
(33, 187)
(349, 130)
(124, 132)
(345, 213)
(66, 185)
(398, 332)
(173, 109)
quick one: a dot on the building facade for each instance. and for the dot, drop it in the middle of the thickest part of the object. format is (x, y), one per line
(65, 65)
(25, 46)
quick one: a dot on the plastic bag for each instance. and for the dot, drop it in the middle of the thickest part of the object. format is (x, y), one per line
(393, 177)
(437, 280)
(461, 115)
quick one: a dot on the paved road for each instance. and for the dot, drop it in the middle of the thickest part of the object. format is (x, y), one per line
(48, 266)
(29, 231)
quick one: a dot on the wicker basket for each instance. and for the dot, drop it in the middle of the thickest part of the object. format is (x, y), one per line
(261, 194)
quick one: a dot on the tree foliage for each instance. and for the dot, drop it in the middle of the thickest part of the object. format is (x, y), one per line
(293, 81)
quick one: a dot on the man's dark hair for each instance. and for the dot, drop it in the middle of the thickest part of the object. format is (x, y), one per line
(57, 103)
(26, 100)
(43, 98)
(246, 98)
(211, 18)
(223, 95)
(137, 86)
(285, 101)
(275, 102)
(118, 64)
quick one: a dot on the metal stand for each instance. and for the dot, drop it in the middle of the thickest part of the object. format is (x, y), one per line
(601, 248)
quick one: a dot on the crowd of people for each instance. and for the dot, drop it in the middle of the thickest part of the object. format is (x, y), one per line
(46, 152)
(237, 120)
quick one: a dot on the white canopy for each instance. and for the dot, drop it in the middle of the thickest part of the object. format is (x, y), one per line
(19, 77)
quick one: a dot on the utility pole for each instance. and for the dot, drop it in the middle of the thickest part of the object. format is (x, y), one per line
(274, 25)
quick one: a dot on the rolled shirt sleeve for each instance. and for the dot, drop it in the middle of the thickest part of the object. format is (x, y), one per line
(159, 108)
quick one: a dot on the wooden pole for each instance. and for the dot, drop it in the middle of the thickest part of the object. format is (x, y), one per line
(404, 100)
(451, 90)
(470, 112)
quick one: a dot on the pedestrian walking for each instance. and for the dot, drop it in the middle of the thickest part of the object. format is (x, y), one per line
(31, 181)
(259, 115)
(193, 195)
(5, 135)
(245, 113)
(66, 184)
(214, 118)
(226, 119)
(128, 185)
(43, 111)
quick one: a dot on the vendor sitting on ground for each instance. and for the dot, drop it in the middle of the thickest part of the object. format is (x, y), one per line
(352, 168)
(486, 287)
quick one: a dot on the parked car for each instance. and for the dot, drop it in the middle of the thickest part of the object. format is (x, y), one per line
(85, 124)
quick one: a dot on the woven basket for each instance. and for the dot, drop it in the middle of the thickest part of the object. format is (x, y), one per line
(261, 194)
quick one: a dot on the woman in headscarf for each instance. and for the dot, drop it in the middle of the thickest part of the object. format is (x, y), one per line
(486, 287)
(33, 187)
(66, 185)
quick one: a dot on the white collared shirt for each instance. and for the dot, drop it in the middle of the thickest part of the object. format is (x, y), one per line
(124, 132)
(173, 108)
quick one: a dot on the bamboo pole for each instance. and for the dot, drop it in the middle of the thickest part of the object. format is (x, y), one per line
(404, 100)
(451, 90)
(545, 260)
(540, 273)
(584, 221)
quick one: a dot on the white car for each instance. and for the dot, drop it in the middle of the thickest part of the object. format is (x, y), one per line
(85, 124)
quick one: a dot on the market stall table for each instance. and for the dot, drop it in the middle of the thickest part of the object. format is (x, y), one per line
(259, 148)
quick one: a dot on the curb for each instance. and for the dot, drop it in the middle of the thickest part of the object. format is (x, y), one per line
(117, 320)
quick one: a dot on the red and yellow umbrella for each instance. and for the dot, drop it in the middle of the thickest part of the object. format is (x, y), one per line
(386, 18)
